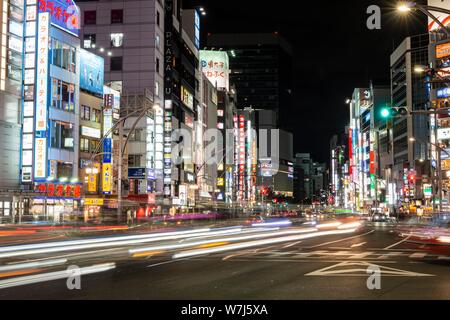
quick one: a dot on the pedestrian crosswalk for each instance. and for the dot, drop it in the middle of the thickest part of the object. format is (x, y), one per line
(344, 255)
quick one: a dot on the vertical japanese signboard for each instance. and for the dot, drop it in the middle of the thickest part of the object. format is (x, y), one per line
(168, 59)
(40, 158)
(29, 96)
(41, 117)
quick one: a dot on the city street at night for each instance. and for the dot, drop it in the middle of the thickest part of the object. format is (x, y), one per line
(223, 159)
(297, 262)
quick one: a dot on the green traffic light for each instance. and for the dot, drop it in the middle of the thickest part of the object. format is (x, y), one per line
(385, 113)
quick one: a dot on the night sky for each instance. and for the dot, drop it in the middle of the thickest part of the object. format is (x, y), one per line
(334, 52)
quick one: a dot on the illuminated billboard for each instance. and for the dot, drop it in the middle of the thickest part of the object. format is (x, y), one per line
(92, 69)
(215, 66)
(187, 97)
(42, 72)
(65, 14)
(442, 17)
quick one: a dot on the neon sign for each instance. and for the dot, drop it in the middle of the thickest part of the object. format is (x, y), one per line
(64, 14)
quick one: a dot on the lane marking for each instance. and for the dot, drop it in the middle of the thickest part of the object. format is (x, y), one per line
(397, 243)
(359, 269)
(349, 238)
(390, 254)
(358, 245)
(418, 255)
(165, 262)
(443, 258)
(277, 254)
(251, 252)
(361, 255)
(292, 244)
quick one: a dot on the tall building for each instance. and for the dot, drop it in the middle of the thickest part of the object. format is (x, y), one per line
(11, 81)
(440, 124)
(275, 156)
(134, 67)
(339, 177)
(261, 68)
(367, 176)
(50, 135)
(207, 120)
(410, 135)
(151, 53)
(303, 171)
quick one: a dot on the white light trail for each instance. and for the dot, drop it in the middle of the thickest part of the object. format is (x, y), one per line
(29, 265)
(257, 243)
(94, 240)
(149, 238)
(199, 243)
(50, 276)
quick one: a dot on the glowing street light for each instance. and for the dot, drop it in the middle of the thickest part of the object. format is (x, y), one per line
(419, 69)
(405, 6)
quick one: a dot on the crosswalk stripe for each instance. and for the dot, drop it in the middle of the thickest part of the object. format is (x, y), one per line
(419, 255)
(361, 255)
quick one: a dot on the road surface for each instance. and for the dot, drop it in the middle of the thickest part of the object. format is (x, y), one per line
(279, 262)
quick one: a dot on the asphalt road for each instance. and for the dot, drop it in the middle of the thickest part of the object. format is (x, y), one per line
(330, 266)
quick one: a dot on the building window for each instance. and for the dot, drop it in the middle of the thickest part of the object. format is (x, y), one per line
(157, 65)
(90, 17)
(64, 56)
(158, 18)
(63, 95)
(137, 135)
(134, 160)
(117, 16)
(157, 88)
(116, 64)
(85, 113)
(95, 115)
(89, 41)
(117, 40)
(61, 135)
(116, 85)
(157, 41)
(84, 145)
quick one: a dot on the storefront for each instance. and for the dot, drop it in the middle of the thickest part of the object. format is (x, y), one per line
(56, 202)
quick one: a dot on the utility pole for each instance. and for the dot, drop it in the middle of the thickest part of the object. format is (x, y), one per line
(119, 183)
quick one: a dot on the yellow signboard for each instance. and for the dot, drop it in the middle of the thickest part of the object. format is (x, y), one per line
(93, 202)
(92, 179)
(107, 178)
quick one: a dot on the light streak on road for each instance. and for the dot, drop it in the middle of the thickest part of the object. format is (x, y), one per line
(328, 225)
(225, 239)
(100, 243)
(94, 240)
(249, 244)
(41, 264)
(444, 239)
(349, 225)
(272, 224)
(57, 275)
